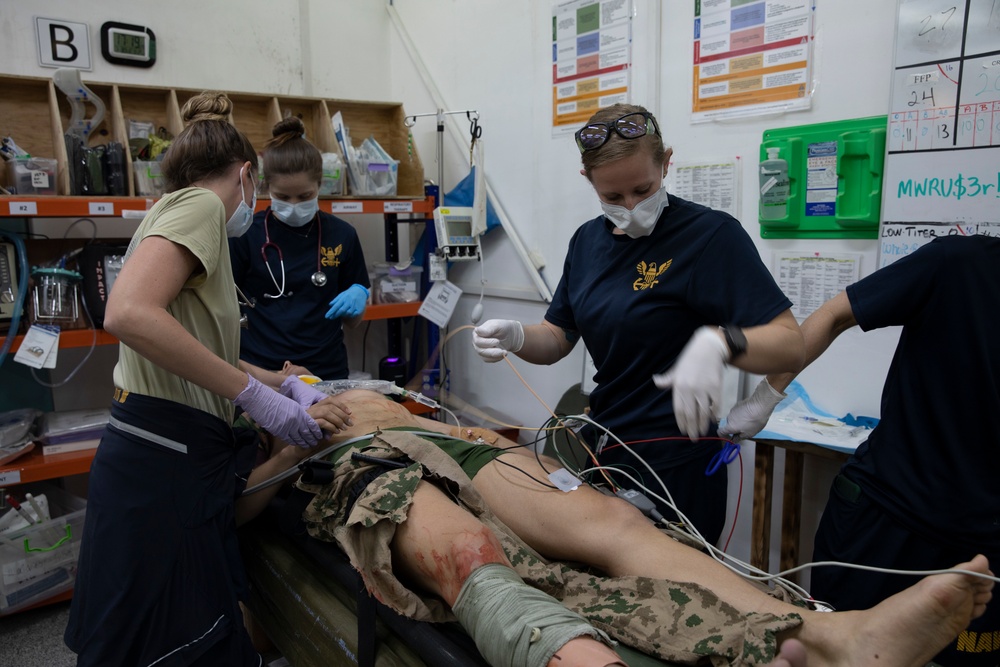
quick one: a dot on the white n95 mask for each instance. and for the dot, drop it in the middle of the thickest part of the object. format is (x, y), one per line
(295, 215)
(241, 219)
(640, 220)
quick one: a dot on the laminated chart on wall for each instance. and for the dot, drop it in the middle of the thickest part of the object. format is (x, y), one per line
(712, 183)
(591, 59)
(751, 57)
(942, 174)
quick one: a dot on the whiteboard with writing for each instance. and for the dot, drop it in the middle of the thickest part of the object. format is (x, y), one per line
(942, 173)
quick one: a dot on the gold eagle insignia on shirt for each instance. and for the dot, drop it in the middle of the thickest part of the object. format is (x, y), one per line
(649, 273)
(331, 256)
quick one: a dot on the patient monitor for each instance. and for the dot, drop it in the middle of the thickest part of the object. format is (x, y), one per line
(456, 239)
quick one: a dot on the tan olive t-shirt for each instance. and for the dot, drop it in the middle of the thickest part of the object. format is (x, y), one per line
(206, 306)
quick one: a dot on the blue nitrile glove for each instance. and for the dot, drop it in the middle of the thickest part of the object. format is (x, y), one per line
(300, 392)
(349, 303)
(278, 415)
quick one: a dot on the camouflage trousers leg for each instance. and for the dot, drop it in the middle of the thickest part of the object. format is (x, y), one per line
(675, 621)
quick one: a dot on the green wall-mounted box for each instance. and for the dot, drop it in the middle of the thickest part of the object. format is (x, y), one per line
(835, 180)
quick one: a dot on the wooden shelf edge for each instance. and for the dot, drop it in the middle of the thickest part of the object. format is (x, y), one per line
(75, 338)
(386, 311)
(65, 206)
(36, 467)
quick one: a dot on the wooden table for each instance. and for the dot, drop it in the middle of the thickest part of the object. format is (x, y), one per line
(791, 501)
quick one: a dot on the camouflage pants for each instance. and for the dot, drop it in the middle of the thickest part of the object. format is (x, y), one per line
(674, 621)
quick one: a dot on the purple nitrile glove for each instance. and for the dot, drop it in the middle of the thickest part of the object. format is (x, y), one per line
(300, 392)
(349, 303)
(279, 415)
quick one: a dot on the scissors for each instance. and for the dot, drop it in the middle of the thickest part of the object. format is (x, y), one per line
(730, 450)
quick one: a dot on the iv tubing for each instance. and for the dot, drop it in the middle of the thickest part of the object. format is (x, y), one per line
(15, 320)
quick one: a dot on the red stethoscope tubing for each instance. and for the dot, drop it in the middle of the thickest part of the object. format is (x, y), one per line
(268, 243)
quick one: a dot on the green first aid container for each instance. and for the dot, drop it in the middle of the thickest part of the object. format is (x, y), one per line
(835, 179)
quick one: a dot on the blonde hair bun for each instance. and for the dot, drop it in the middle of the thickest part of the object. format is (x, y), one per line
(291, 125)
(207, 106)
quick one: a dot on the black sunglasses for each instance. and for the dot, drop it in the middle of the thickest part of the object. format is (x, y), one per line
(630, 126)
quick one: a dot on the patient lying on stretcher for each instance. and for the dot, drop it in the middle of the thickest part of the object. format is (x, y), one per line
(494, 551)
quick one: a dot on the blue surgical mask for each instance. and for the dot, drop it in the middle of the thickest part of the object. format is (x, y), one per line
(640, 220)
(241, 219)
(295, 215)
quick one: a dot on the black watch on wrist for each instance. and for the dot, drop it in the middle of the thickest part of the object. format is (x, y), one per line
(736, 340)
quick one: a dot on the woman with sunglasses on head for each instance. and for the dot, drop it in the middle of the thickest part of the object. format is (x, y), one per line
(303, 267)
(664, 293)
(159, 573)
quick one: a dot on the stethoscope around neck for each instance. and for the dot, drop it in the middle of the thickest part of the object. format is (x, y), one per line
(318, 278)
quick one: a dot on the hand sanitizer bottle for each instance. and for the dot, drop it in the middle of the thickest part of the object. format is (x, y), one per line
(773, 186)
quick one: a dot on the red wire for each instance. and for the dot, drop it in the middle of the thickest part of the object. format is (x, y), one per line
(667, 437)
(739, 496)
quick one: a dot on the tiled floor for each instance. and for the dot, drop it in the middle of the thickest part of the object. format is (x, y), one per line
(35, 639)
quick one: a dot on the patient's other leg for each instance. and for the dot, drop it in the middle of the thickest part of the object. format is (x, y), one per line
(440, 546)
(587, 526)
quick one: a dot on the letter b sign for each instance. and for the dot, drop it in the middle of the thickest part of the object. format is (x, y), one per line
(62, 43)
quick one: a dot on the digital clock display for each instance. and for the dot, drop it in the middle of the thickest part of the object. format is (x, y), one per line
(129, 43)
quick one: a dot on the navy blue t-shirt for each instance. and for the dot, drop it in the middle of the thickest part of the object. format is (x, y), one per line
(933, 461)
(294, 327)
(636, 303)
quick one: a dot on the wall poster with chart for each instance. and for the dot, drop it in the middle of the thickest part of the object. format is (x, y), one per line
(942, 168)
(591, 59)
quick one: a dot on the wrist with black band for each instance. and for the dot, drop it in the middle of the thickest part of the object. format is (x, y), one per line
(736, 340)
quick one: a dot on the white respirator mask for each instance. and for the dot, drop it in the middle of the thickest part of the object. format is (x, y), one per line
(295, 215)
(241, 219)
(640, 220)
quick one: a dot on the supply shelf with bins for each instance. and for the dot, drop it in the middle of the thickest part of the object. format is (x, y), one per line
(37, 115)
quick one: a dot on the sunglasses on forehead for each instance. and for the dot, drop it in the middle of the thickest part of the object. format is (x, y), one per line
(630, 126)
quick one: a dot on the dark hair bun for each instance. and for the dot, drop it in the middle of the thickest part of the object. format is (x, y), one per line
(291, 125)
(207, 106)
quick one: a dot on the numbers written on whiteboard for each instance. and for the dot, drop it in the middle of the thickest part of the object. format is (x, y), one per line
(990, 83)
(938, 21)
(925, 97)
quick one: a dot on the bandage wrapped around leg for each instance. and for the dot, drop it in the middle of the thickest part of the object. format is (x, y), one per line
(513, 624)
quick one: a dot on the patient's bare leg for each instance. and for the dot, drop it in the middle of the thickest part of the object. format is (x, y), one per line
(911, 626)
(440, 545)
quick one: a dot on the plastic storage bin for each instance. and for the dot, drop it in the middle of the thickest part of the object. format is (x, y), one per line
(375, 179)
(332, 182)
(149, 181)
(32, 175)
(397, 285)
(38, 562)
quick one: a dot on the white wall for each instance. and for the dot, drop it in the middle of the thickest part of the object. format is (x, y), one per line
(494, 56)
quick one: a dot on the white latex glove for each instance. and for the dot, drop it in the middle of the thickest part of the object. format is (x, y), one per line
(749, 416)
(493, 339)
(696, 378)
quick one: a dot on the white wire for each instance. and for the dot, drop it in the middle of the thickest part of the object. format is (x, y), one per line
(721, 557)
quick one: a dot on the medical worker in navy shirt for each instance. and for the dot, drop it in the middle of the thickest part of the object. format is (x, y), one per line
(664, 293)
(923, 489)
(303, 268)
